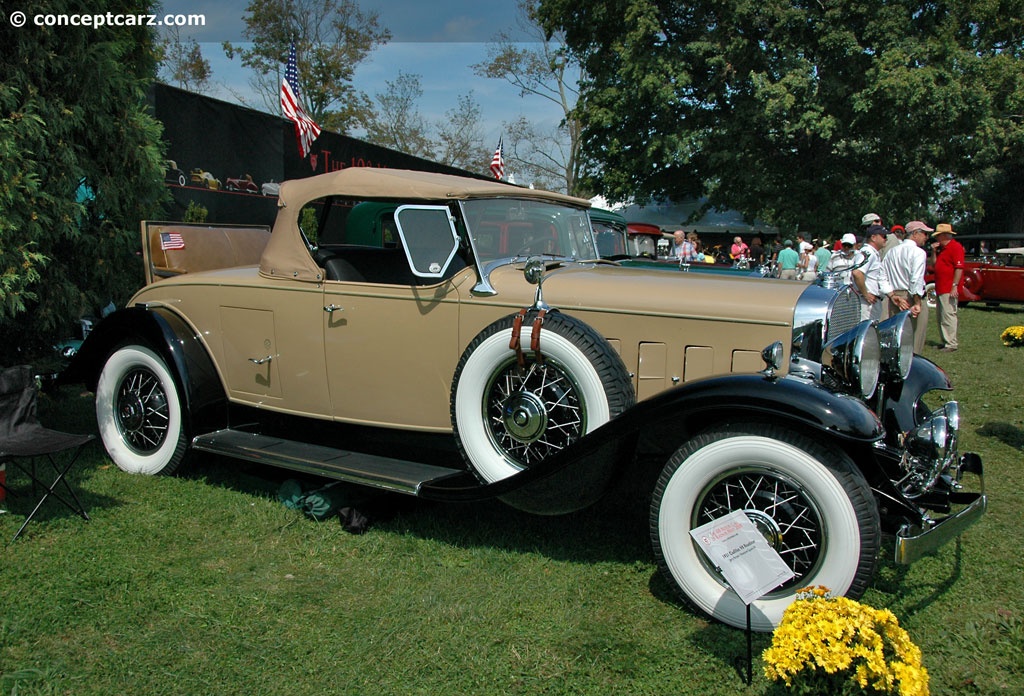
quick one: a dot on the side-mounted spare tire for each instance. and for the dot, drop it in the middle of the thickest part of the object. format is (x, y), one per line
(508, 416)
(139, 412)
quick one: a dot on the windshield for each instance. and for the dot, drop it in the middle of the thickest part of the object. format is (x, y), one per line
(501, 228)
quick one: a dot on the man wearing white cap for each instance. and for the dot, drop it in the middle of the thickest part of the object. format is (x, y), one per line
(904, 266)
(869, 279)
(843, 260)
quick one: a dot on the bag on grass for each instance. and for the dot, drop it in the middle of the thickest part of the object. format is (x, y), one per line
(318, 503)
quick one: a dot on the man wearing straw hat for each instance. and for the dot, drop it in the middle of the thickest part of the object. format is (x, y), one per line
(949, 270)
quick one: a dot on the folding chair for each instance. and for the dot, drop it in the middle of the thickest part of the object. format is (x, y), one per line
(22, 437)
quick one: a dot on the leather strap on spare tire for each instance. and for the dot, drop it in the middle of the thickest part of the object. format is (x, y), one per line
(512, 408)
(517, 328)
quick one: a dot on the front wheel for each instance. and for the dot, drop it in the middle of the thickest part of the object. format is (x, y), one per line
(930, 297)
(811, 504)
(138, 410)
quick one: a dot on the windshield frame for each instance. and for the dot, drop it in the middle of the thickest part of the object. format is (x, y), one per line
(566, 226)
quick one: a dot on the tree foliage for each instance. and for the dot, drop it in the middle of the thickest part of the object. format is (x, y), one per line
(397, 122)
(182, 62)
(460, 139)
(331, 37)
(804, 113)
(80, 165)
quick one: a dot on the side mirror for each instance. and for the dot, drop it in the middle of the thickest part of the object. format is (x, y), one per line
(533, 271)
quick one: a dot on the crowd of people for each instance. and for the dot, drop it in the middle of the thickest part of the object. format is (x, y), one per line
(885, 265)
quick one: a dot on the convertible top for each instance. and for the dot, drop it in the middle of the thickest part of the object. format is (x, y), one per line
(376, 182)
(286, 257)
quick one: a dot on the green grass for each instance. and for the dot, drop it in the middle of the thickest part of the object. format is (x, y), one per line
(205, 584)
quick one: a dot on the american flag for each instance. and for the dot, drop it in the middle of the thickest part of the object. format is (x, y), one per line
(306, 130)
(498, 163)
(171, 240)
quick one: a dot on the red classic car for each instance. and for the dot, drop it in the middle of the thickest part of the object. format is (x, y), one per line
(990, 279)
(242, 183)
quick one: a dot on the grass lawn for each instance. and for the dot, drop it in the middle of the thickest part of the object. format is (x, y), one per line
(205, 584)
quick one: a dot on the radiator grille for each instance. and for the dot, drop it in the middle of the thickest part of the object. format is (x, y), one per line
(843, 314)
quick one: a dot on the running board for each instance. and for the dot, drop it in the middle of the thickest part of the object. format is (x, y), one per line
(395, 475)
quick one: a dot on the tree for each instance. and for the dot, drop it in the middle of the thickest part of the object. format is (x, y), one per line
(182, 62)
(460, 137)
(543, 68)
(331, 37)
(80, 165)
(802, 113)
(397, 122)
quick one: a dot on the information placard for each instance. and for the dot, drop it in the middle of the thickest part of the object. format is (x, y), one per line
(748, 562)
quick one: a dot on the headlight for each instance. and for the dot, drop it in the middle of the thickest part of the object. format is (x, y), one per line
(855, 358)
(896, 336)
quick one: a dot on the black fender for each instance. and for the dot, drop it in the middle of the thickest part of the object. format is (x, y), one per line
(159, 328)
(580, 474)
(900, 404)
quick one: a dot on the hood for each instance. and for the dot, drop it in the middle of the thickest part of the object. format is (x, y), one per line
(602, 287)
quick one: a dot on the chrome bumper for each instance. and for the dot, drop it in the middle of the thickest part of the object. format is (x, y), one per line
(913, 542)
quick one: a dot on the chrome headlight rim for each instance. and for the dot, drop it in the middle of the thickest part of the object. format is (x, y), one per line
(855, 358)
(896, 336)
(936, 438)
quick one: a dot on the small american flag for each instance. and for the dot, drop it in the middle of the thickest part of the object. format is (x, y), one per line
(171, 240)
(306, 129)
(498, 163)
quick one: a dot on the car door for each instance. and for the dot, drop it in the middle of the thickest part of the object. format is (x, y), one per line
(391, 333)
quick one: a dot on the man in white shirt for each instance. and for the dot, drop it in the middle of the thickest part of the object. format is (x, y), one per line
(870, 280)
(904, 266)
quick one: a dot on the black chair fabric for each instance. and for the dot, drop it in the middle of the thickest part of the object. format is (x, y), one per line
(23, 437)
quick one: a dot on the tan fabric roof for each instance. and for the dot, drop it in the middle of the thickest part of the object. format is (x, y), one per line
(375, 182)
(286, 257)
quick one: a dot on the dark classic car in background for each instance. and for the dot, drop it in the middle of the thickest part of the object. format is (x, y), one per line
(458, 339)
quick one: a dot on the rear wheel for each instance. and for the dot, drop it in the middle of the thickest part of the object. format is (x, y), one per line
(811, 504)
(138, 410)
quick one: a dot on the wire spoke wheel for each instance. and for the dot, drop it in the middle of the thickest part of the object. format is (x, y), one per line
(139, 412)
(509, 417)
(142, 413)
(533, 411)
(780, 510)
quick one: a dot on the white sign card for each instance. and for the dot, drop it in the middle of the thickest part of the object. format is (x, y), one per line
(750, 565)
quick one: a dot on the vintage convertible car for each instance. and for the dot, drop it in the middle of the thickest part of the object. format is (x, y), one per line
(204, 178)
(242, 183)
(992, 279)
(460, 339)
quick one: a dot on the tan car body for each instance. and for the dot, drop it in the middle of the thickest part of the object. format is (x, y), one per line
(394, 339)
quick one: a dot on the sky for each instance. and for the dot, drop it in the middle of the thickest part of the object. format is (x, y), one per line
(438, 40)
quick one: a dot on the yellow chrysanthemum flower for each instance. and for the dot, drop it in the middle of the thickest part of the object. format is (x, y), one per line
(1013, 336)
(835, 639)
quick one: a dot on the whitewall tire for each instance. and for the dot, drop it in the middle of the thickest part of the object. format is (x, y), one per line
(811, 503)
(139, 412)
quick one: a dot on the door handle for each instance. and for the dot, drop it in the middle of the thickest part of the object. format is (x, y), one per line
(331, 309)
(261, 361)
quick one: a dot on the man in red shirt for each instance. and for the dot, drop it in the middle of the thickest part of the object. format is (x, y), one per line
(949, 269)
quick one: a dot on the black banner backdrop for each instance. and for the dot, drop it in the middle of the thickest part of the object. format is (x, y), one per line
(231, 158)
